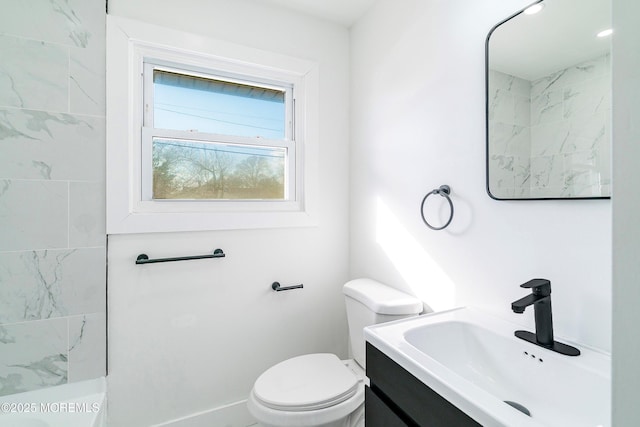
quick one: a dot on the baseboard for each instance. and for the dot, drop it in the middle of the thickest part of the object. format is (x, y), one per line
(232, 415)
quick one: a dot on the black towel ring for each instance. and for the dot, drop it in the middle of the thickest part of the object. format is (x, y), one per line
(444, 191)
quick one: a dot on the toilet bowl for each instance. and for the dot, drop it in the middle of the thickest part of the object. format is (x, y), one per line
(320, 390)
(310, 390)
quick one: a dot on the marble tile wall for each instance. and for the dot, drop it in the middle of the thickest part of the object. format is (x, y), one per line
(510, 130)
(571, 131)
(551, 137)
(52, 232)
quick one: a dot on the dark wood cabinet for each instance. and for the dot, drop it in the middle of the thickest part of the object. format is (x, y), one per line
(379, 412)
(396, 398)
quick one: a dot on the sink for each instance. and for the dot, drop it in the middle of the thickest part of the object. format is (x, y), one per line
(473, 360)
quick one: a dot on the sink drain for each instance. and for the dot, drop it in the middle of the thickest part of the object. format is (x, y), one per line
(518, 406)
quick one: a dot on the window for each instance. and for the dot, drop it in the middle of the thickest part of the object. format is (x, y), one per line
(206, 135)
(215, 137)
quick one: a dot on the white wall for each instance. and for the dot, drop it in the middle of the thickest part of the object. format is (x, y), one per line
(418, 121)
(192, 336)
(626, 205)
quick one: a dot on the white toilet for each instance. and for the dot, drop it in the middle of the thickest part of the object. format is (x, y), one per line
(320, 390)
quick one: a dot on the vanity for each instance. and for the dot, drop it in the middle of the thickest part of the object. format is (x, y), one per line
(395, 398)
(463, 367)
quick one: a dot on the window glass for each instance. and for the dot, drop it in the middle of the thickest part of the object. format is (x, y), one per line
(187, 102)
(188, 170)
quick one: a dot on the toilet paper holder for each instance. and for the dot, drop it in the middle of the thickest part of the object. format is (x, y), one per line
(276, 287)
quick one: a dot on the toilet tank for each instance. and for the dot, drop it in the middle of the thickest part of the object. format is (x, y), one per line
(368, 303)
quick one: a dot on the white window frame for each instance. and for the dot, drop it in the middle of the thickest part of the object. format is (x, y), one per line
(149, 130)
(129, 209)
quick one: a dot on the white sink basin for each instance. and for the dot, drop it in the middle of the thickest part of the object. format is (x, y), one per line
(473, 360)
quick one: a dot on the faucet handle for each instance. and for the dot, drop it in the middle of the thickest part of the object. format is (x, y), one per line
(541, 287)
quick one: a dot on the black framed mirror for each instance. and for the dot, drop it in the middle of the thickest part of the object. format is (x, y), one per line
(548, 102)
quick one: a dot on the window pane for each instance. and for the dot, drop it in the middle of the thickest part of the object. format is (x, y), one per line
(195, 170)
(184, 102)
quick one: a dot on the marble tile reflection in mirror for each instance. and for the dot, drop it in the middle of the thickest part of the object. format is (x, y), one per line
(549, 103)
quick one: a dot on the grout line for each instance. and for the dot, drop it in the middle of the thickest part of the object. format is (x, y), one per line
(68, 80)
(12, 107)
(106, 306)
(52, 180)
(40, 40)
(17, 251)
(68, 349)
(31, 321)
(68, 214)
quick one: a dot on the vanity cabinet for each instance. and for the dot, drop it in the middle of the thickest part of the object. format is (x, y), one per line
(396, 398)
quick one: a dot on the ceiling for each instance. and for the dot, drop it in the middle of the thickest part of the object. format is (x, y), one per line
(527, 47)
(562, 35)
(343, 12)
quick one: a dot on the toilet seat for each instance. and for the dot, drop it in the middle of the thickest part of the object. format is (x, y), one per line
(306, 383)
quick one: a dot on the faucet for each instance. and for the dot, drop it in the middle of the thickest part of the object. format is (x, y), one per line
(540, 298)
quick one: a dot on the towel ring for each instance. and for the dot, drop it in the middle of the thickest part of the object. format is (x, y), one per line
(444, 191)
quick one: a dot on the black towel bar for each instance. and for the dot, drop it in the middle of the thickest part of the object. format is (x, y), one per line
(144, 258)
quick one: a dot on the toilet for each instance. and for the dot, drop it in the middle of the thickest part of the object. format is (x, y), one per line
(320, 390)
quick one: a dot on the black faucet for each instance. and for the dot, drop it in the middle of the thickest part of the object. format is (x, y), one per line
(540, 298)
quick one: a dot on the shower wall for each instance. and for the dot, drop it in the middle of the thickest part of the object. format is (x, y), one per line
(52, 238)
(552, 136)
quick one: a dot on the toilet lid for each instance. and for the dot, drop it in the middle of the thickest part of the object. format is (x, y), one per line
(305, 383)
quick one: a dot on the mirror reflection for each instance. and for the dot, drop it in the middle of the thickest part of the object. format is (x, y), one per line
(549, 102)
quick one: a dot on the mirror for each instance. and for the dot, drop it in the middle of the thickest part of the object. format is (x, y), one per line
(548, 102)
